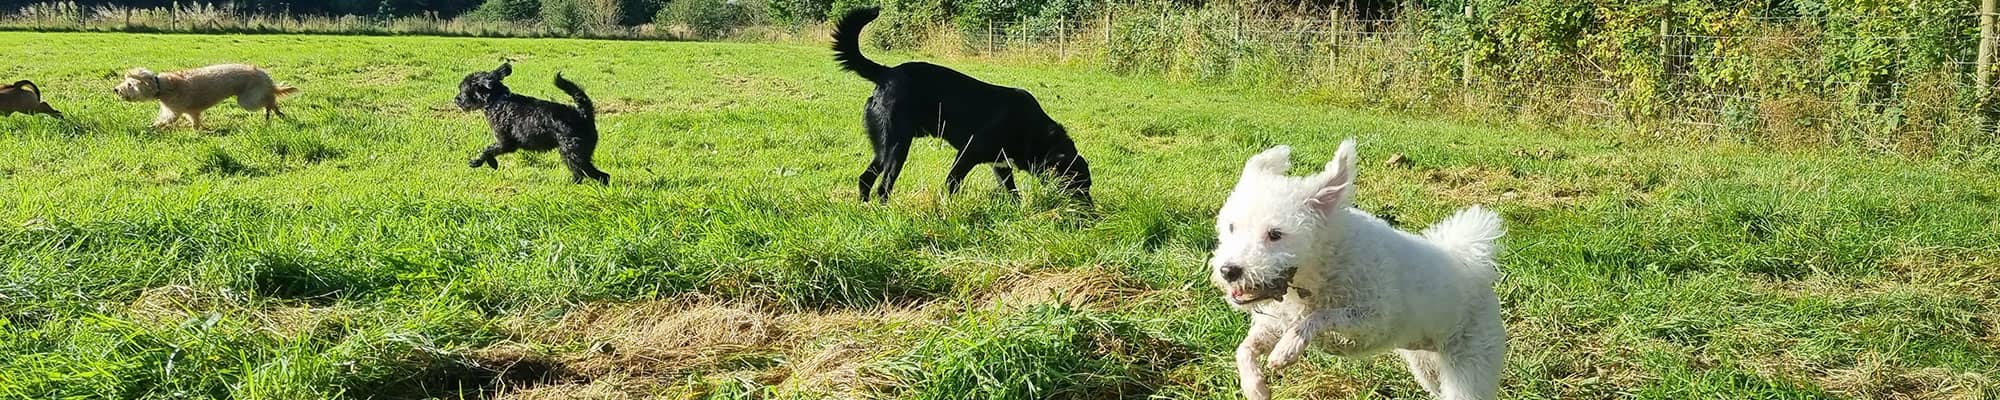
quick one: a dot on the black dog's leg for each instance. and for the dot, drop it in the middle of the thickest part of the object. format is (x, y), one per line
(486, 156)
(581, 169)
(576, 156)
(868, 177)
(1005, 176)
(878, 142)
(891, 168)
(963, 165)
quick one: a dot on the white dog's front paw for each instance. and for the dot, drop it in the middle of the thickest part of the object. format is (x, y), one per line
(1258, 392)
(1288, 350)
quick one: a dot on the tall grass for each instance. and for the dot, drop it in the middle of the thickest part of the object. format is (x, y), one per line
(1770, 82)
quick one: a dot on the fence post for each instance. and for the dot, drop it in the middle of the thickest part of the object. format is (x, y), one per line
(1666, 41)
(1984, 76)
(1062, 37)
(1465, 62)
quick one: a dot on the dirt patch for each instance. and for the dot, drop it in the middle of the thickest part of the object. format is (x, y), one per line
(646, 344)
(1089, 289)
(387, 75)
(599, 390)
(1489, 185)
(843, 368)
(763, 84)
(171, 304)
(627, 105)
(1876, 376)
(1973, 272)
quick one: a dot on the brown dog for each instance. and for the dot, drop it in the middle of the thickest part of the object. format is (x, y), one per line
(24, 97)
(188, 93)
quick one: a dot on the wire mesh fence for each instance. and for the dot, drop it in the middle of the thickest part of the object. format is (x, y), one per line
(1788, 78)
(228, 17)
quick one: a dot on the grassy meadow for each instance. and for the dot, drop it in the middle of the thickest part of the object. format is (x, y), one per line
(350, 253)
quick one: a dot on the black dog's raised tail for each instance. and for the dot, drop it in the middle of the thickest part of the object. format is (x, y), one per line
(847, 44)
(29, 86)
(576, 93)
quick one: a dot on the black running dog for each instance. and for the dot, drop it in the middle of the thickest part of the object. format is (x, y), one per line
(526, 123)
(987, 123)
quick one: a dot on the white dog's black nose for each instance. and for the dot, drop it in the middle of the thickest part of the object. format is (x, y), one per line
(1232, 272)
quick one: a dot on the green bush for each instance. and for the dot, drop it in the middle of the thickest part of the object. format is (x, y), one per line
(907, 23)
(1144, 42)
(602, 15)
(708, 18)
(639, 12)
(507, 10)
(799, 12)
(565, 17)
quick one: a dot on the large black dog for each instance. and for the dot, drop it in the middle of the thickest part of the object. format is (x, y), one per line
(987, 123)
(526, 123)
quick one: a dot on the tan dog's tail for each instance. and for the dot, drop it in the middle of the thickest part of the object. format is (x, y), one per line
(285, 91)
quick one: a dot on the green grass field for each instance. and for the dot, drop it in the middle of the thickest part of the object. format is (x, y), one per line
(350, 253)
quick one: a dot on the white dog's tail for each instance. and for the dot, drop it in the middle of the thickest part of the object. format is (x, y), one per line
(1469, 236)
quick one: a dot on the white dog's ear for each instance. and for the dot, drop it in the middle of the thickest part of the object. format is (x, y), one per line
(1275, 161)
(1336, 184)
(136, 73)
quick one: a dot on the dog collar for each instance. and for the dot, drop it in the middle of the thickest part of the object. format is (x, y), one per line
(158, 88)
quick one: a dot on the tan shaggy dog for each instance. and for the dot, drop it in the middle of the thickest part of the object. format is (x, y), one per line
(188, 93)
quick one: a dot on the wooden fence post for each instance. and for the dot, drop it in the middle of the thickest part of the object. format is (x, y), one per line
(1984, 76)
(1062, 37)
(1666, 42)
(1465, 62)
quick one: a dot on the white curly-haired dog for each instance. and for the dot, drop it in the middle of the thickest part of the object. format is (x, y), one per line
(1311, 269)
(189, 93)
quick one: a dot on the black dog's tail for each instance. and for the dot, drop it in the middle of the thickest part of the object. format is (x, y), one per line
(847, 44)
(576, 93)
(29, 86)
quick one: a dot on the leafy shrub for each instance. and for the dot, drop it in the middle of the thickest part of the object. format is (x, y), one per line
(638, 12)
(841, 7)
(907, 23)
(507, 10)
(565, 17)
(708, 18)
(1144, 42)
(601, 15)
(798, 12)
